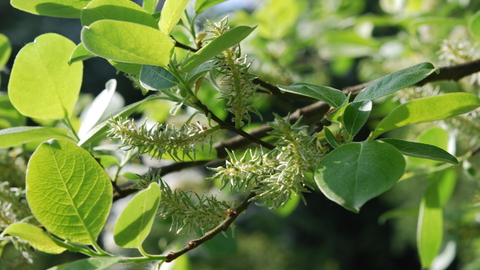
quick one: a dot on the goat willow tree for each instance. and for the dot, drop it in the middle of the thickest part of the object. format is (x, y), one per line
(209, 102)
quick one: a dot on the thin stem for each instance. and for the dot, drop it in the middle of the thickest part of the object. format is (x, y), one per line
(70, 127)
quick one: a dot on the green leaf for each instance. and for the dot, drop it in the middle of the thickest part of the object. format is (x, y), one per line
(427, 110)
(135, 222)
(118, 10)
(53, 8)
(68, 191)
(53, 85)
(97, 108)
(5, 50)
(156, 78)
(80, 54)
(356, 115)
(202, 5)
(100, 129)
(171, 12)
(433, 135)
(35, 237)
(396, 81)
(329, 95)
(198, 72)
(430, 225)
(9, 116)
(229, 39)
(354, 173)
(18, 135)
(422, 150)
(289, 207)
(474, 25)
(331, 139)
(97, 263)
(133, 69)
(127, 42)
(150, 5)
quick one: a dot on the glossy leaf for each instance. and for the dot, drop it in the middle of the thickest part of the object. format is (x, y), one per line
(53, 8)
(171, 12)
(97, 263)
(229, 39)
(53, 85)
(156, 78)
(202, 5)
(356, 115)
(331, 139)
(35, 236)
(427, 110)
(422, 150)
(329, 95)
(396, 81)
(69, 193)
(80, 54)
(119, 10)
(18, 135)
(127, 42)
(135, 222)
(5, 50)
(474, 25)
(354, 173)
(97, 108)
(100, 129)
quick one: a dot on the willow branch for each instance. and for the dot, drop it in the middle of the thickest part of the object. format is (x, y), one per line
(231, 217)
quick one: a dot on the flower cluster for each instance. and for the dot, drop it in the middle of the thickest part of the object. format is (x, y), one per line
(160, 139)
(191, 211)
(276, 175)
(236, 83)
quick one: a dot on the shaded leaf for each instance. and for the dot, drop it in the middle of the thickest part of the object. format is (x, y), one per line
(5, 50)
(80, 54)
(427, 110)
(97, 263)
(68, 191)
(53, 8)
(156, 78)
(356, 115)
(474, 25)
(150, 5)
(135, 222)
(127, 42)
(331, 139)
(329, 95)
(422, 150)
(53, 85)
(229, 39)
(354, 173)
(396, 81)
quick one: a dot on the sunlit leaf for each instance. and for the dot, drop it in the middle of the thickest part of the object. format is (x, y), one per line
(97, 263)
(127, 42)
(396, 81)
(68, 192)
(356, 172)
(150, 5)
(54, 8)
(135, 222)
(202, 5)
(5, 50)
(53, 85)
(80, 54)
(229, 39)
(35, 236)
(427, 110)
(474, 25)
(422, 150)
(329, 95)
(171, 12)
(18, 135)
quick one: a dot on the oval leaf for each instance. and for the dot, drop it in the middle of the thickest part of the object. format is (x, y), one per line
(17, 135)
(171, 12)
(35, 237)
(329, 95)
(357, 172)
(53, 8)
(396, 81)
(135, 222)
(156, 78)
(119, 10)
(422, 150)
(356, 115)
(68, 191)
(53, 85)
(427, 110)
(229, 39)
(127, 42)
(80, 54)
(98, 263)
